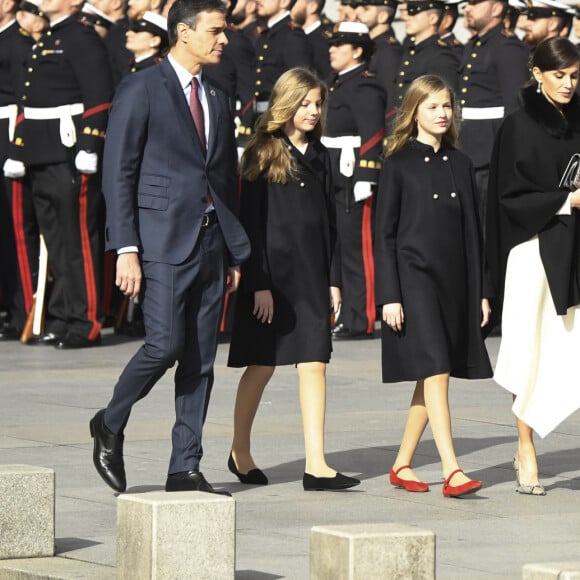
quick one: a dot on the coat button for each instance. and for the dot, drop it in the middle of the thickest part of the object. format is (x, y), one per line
(301, 184)
(427, 159)
(445, 158)
(453, 194)
(435, 196)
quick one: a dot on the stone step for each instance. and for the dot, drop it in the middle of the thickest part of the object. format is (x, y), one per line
(57, 568)
(552, 571)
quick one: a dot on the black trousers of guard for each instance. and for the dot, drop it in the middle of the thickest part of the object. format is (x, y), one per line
(68, 208)
(354, 225)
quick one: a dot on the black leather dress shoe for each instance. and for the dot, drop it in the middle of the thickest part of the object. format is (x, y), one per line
(336, 483)
(8, 332)
(191, 481)
(341, 332)
(71, 340)
(108, 453)
(253, 477)
(48, 339)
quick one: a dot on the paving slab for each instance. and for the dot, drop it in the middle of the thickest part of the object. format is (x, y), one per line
(48, 397)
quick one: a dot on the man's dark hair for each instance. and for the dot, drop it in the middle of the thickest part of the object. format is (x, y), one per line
(187, 11)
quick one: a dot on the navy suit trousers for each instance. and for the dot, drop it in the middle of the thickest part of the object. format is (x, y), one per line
(181, 311)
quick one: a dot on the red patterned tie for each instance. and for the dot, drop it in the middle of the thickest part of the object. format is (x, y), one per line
(197, 112)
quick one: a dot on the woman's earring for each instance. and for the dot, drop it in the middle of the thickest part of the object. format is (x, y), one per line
(539, 89)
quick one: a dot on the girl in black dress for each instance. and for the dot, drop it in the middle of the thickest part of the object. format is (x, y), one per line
(283, 305)
(428, 268)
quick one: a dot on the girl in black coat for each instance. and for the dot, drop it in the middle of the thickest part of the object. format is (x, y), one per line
(533, 236)
(428, 266)
(283, 306)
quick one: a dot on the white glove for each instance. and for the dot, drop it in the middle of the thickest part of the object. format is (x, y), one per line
(86, 162)
(14, 169)
(362, 190)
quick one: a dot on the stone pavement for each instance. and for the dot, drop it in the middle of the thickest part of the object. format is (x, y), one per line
(48, 397)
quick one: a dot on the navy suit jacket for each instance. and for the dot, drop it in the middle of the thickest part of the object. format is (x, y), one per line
(156, 178)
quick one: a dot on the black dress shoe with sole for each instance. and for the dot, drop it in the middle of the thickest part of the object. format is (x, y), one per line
(48, 339)
(71, 341)
(108, 453)
(336, 483)
(253, 477)
(192, 480)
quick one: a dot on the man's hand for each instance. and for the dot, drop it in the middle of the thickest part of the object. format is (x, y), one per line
(233, 280)
(129, 274)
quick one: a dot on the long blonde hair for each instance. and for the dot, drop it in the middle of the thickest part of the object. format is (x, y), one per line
(405, 127)
(268, 152)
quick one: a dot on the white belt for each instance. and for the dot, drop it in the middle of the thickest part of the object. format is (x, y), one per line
(10, 112)
(68, 134)
(347, 144)
(481, 113)
(261, 106)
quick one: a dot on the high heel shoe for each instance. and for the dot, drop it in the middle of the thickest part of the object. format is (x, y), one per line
(527, 488)
(253, 477)
(459, 490)
(336, 483)
(406, 484)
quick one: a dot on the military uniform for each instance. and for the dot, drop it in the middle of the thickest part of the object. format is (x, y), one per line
(386, 61)
(19, 252)
(278, 49)
(431, 56)
(234, 73)
(354, 134)
(318, 39)
(65, 99)
(493, 70)
(119, 57)
(454, 44)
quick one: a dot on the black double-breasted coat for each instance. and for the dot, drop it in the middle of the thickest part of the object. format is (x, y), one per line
(292, 231)
(428, 257)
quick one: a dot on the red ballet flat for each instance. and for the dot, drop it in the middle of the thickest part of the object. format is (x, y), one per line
(459, 490)
(406, 484)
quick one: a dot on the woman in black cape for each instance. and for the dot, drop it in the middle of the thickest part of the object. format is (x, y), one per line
(533, 242)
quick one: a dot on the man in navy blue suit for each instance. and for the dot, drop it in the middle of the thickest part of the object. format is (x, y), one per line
(171, 190)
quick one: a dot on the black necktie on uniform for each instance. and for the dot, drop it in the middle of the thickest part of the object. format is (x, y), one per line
(197, 112)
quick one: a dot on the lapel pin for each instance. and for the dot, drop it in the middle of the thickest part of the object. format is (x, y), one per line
(212, 92)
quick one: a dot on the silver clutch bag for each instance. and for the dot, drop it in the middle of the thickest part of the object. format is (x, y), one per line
(571, 176)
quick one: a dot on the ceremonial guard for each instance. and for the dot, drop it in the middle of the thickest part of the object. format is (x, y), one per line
(493, 70)
(95, 18)
(10, 41)
(354, 135)
(423, 51)
(546, 19)
(235, 69)
(308, 15)
(448, 21)
(119, 56)
(147, 40)
(281, 46)
(378, 15)
(513, 11)
(58, 140)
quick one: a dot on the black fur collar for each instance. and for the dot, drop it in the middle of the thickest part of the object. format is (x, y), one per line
(556, 124)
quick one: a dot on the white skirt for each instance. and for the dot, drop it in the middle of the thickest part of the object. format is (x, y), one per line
(539, 351)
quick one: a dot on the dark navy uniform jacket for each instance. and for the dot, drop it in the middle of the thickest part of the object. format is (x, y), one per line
(68, 65)
(430, 56)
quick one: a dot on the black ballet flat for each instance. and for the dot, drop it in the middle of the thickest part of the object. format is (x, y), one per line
(253, 477)
(336, 483)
